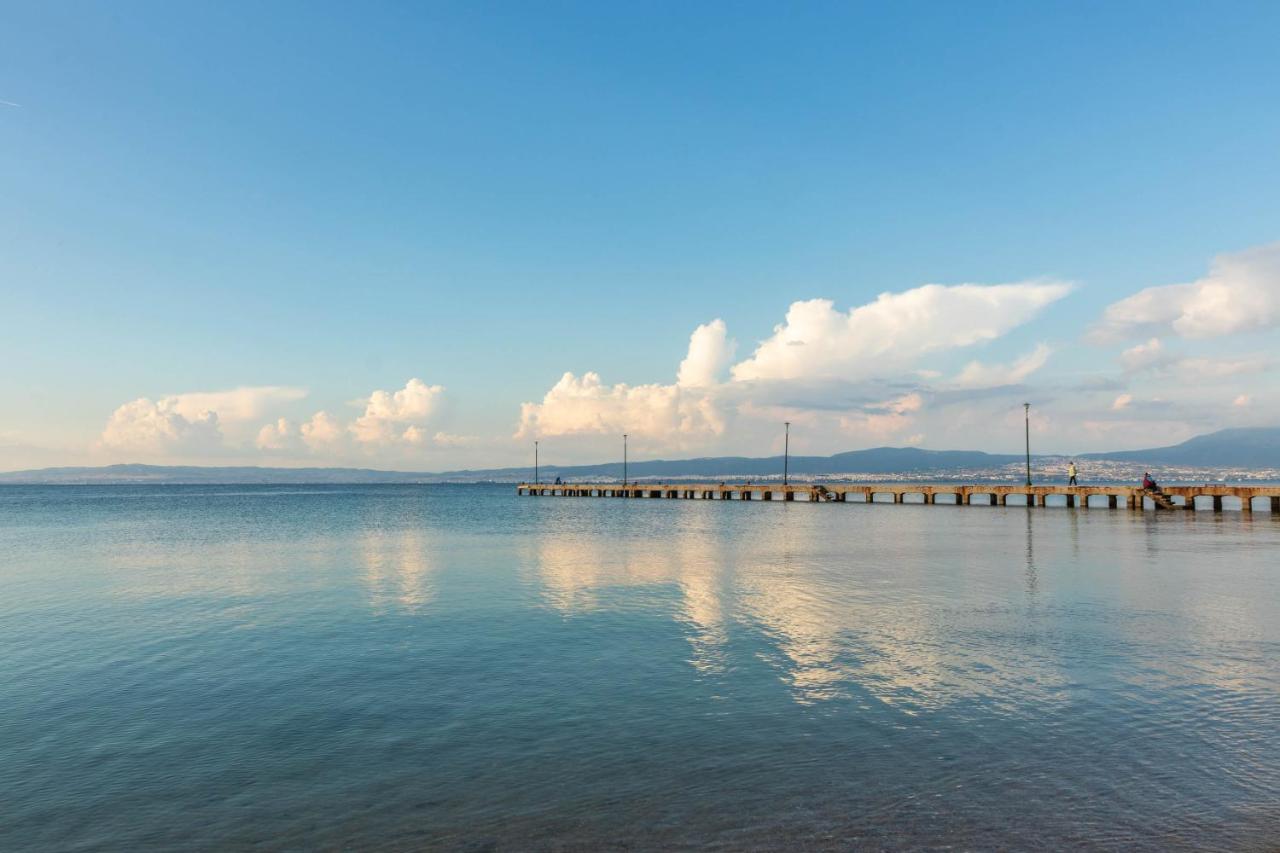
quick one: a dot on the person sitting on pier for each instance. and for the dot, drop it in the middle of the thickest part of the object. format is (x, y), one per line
(1149, 484)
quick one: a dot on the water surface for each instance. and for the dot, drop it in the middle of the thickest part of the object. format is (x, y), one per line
(402, 667)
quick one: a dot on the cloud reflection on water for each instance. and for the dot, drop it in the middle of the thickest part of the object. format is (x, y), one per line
(831, 622)
(398, 568)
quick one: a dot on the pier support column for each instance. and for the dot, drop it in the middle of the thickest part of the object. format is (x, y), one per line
(929, 499)
(1071, 501)
(1112, 501)
(1217, 503)
(1246, 504)
(897, 497)
(1275, 506)
(790, 495)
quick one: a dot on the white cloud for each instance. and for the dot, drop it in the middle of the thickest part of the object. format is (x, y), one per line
(585, 405)
(1241, 293)
(1143, 356)
(678, 415)
(1122, 402)
(157, 427)
(815, 355)
(190, 422)
(710, 352)
(444, 439)
(1242, 401)
(322, 432)
(238, 404)
(818, 341)
(978, 375)
(881, 422)
(279, 435)
(415, 435)
(389, 417)
(1213, 368)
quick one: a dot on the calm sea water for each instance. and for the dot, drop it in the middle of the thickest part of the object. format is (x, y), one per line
(404, 667)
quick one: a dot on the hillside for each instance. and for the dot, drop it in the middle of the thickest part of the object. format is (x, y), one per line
(1257, 447)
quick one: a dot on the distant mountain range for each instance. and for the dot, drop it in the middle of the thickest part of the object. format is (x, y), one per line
(1235, 448)
(1257, 447)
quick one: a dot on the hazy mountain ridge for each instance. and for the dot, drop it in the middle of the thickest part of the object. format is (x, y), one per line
(1241, 448)
(1253, 447)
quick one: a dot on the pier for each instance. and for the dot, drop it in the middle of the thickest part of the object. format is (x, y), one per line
(1213, 498)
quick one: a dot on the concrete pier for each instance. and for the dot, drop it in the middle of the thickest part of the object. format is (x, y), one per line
(1213, 497)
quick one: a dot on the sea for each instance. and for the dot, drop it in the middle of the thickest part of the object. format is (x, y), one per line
(454, 667)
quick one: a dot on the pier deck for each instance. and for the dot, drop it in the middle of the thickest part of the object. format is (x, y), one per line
(1212, 497)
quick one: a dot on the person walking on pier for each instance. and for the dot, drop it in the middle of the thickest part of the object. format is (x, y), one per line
(1071, 473)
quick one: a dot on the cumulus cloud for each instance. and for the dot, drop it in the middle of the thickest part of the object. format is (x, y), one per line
(322, 432)
(817, 340)
(819, 358)
(978, 375)
(279, 435)
(1241, 293)
(398, 416)
(158, 427)
(585, 405)
(680, 414)
(189, 422)
(710, 352)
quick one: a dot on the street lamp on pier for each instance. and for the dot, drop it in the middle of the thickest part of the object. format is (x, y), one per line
(1026, 417)
(624, 459)
(786, 452)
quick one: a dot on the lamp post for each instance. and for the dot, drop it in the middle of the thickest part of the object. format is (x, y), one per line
(624, 459)
(1026, 417)
(786, 452)
(535, 462)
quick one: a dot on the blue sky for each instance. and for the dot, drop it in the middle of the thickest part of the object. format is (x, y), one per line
(258, 212)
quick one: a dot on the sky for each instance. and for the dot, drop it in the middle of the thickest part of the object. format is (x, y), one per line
(424, 235)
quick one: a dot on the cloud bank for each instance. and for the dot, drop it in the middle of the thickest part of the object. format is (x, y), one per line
(818, 358)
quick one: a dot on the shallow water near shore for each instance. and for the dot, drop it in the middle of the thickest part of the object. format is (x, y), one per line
(454, 667)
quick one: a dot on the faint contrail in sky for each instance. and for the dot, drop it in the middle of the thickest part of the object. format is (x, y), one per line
(10, 104)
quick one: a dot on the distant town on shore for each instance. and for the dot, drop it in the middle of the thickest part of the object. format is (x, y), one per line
(1246, 454)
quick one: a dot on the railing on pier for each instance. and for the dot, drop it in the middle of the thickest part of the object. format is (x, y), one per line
(1112, 496)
